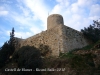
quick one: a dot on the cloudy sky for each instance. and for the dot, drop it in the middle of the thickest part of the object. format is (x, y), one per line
(29, 17)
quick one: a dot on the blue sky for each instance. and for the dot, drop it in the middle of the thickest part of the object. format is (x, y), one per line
(29, 17)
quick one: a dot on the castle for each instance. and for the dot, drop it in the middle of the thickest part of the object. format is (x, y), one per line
(58, 37)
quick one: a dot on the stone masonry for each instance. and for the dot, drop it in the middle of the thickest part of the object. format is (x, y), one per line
(58, 37)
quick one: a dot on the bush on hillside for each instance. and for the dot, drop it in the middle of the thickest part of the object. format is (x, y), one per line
(4, 54)
(29, 58)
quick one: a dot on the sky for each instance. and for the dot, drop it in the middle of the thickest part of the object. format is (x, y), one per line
(29, 17)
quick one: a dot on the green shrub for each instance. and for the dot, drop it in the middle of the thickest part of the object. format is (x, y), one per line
(67, 55)
(93, 31)
(28, 57)
(4, 54)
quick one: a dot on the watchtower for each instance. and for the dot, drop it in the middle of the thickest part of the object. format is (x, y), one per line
(54, 20)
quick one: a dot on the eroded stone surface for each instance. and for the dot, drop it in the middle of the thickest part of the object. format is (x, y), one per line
(58, 37)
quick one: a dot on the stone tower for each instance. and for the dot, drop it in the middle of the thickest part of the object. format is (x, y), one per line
(59, 37)
(54, 20)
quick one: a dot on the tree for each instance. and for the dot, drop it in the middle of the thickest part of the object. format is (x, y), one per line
(7, 49)
(96, 24)
(93, 31)
(12, 41)
(28, 57)
(4, 54)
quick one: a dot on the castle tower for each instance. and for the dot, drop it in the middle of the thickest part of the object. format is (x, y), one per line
(58, 37)
(54, 20)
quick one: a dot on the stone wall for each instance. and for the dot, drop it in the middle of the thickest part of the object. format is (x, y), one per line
(58, 37)
(51, 38)
(73, 39)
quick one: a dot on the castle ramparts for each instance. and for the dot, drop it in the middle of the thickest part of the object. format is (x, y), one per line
(58, 37)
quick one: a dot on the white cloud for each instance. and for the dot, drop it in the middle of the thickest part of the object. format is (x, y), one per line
(3, 11)
(95, 10)
(24, 21)
(56, 9)
(60, 7)
(63, 2)
(86, 3)
(23, 35)
(78, 14)
(76, 17)
(30, 17)
(8, 32)
(74, 8)
(35, 30)
(39, 9)
(33, 12)
(20, 34)
(26, 11)
(75, 14)
(30, 14)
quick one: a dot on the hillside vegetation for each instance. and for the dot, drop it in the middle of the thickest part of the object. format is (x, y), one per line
(85, 61)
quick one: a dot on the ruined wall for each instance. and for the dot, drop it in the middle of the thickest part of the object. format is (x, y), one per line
(73, 39)
(58, 37)
(51, 38)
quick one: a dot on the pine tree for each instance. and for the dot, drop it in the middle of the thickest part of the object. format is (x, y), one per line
(7, 49)
(93, 31)
(12, 41)
(96, 24)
